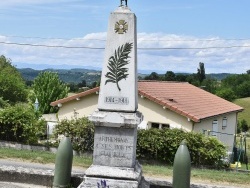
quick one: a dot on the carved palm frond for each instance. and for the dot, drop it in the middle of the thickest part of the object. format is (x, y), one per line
(117, 63)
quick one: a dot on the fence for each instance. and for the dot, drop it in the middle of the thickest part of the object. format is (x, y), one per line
(239, 151)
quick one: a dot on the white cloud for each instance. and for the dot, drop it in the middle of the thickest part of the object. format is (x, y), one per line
(10, 3)
(232, 60)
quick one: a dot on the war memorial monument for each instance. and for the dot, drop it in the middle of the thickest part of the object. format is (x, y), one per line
(116, 119)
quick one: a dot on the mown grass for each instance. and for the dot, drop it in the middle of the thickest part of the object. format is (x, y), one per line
(245, 103)
(200, 175)
(151, 170)
(43, 157)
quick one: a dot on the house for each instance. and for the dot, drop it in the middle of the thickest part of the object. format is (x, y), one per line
(51, 120)
(168, 105)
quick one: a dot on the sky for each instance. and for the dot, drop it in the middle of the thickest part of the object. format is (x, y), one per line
(172, 35)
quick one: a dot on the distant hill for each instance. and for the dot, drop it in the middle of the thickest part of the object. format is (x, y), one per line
(68, 76)
(77, 75)
(219, 76)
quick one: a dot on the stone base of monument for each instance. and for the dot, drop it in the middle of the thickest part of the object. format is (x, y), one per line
(116, 119)
(114, 158)
(112, 177)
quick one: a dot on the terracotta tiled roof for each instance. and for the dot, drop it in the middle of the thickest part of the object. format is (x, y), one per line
(75, 97)
(186, 99)
(180, 97)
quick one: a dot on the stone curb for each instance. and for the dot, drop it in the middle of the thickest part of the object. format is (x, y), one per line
(45, 178)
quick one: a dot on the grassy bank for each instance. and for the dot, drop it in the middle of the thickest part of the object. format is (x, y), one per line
(157, 170)
(245, 103)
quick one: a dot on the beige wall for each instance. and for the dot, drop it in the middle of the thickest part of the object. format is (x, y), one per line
(153, 112)
(230, 129)
(78, 108)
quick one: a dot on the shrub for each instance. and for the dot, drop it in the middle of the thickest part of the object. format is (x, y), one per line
(3, 103)
(81, 132)
(244, 125)
(152, 144)
(19, 123)
(163, 144)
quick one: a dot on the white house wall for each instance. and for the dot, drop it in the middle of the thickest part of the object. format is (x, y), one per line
(78, 108)
(153, 112)
(226, 135)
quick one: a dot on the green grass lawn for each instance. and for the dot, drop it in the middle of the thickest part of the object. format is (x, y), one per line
(156, 170)
(245, 103)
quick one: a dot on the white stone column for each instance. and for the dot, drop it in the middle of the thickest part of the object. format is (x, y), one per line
(118, 91)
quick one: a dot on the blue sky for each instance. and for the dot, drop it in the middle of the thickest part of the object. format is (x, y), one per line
(167, 24)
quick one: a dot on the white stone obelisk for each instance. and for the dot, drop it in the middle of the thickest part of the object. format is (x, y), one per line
(118, 91)
(116, 119)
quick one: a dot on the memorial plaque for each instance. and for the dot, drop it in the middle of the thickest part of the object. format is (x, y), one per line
(115, 147)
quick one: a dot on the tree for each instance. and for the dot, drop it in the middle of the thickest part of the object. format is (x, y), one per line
(240, 84)
(201, 72)
(181, 77)
(192, 79)
(248, 71)
(244, 125)
(3, 103)
(73, 87)
(82, 84)
(210, 85)
(243, 90)
(19, 123)
(48, 88)
(226, 93)
(152, 76)
(13, 87)
(170, 76)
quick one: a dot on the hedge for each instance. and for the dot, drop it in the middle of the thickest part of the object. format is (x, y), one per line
(162, 145)
(153, 144)
(19, 123)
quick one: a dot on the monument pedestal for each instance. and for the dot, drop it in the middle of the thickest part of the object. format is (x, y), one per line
(113, 176)
(114, 158)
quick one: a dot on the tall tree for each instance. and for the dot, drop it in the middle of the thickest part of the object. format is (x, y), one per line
(170, 76)
(48, 88)
(12, 86)
(152, 76)
(201, 72)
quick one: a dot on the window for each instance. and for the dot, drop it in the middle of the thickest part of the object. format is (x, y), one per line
(224, 123)
(215, 128)
(159, 126)
(155, 125)
(165, 126)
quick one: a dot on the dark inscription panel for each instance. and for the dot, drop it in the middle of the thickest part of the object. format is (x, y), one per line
(114, 146)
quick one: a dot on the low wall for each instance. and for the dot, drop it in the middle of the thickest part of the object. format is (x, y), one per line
(18, 146)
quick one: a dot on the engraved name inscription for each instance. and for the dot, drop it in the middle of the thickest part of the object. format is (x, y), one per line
(116, 100)
(115, 147)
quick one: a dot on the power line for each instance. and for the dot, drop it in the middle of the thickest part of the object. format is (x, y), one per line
(50, 38)
(195, 40)
(195, 48)
(179, 40)
(50, 46)
(101, 48)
